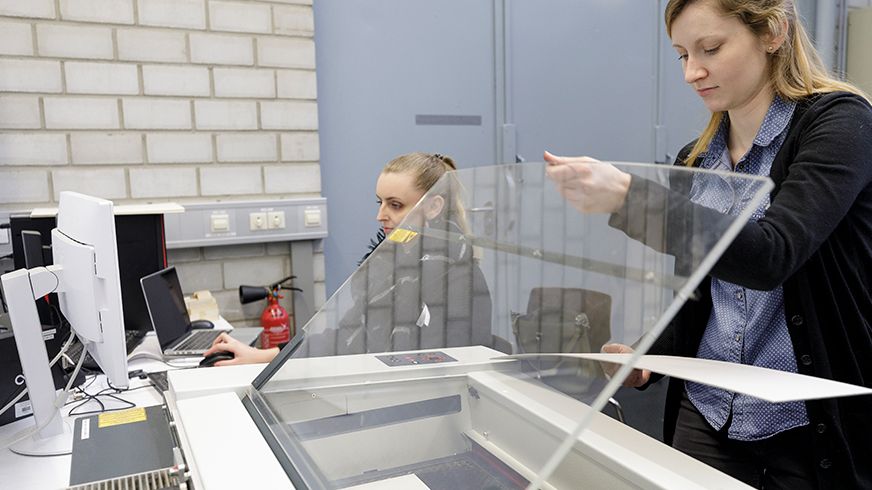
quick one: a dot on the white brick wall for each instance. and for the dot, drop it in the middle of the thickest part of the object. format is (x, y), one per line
(254, 271)
(110, 11)
(179, 147)
(300, 147)
(293, 179)
(74, 41)
(225, 114)
(101, 78)
(248, 147)
(293, 20)
(33, 149)
(24, 186)
(286, 52)
(201, 275)
(19, 112)
(81, 113)
(105, 183)
(175, 80)
(106, 148)
(156, 113)
(152, 45)
(289, 115)
(190, 14)
(15, 38)
(239, 16)
(235, 252)
(296, 84)
(219, 180)
(162, 100)
(163, 182)
(30, 76)
(28, 8)
(222, 49)
(242, 82)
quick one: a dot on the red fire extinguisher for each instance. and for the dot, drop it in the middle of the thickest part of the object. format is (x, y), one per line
(276, 323)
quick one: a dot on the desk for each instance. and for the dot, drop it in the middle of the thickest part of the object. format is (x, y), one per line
(51, 472)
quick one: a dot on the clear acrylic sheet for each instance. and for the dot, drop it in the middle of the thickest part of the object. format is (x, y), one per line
(508, 264)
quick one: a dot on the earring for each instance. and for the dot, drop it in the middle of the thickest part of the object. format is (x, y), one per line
(769, 49)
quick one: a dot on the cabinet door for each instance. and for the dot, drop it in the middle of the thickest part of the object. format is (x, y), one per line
(582, 77)
(396, 76)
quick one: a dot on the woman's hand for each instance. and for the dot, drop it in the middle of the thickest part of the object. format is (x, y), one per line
(589, 185)
(636, 378)
(242, 353)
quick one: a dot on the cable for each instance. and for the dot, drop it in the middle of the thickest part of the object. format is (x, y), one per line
(157, 357)
(60, 400)
(95, 397)
(23, 392)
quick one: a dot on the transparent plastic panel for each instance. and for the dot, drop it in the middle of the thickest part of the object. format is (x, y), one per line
(496, 257)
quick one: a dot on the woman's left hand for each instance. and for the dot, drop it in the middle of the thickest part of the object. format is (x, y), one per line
(590, 185)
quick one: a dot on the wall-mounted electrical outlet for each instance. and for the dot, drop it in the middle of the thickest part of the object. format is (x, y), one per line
(257, 221)
(276, 220)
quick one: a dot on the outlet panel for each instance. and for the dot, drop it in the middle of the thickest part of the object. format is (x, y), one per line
(238, 222)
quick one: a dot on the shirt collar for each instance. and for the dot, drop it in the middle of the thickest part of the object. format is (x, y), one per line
(777, 118)
(774, 123)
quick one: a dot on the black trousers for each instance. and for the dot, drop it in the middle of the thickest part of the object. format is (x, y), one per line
(782, 461)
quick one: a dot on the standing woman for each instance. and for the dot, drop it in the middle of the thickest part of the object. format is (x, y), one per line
(794, 290)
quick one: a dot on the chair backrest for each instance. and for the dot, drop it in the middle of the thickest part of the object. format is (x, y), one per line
(563, 320)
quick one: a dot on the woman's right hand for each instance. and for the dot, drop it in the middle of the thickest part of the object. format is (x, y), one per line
(636, 378)
(589, 185)
(242, 353)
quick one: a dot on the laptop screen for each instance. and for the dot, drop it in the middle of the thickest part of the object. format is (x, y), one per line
(166, 305)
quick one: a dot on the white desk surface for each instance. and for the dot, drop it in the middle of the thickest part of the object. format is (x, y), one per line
(52, 472)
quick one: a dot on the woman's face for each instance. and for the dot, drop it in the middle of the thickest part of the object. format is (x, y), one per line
(723, 60)
(397, 195)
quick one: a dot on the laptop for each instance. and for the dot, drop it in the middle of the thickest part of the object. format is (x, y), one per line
(172, 325)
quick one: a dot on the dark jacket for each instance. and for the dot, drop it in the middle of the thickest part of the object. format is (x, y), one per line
(816, 241)
(427, 293)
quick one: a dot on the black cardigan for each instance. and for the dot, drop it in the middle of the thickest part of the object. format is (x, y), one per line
(816, 241)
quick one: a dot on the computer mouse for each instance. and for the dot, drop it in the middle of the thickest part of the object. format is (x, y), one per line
(211, 359)
(195, 324)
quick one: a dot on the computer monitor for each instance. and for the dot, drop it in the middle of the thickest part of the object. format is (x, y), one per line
(85, 276)
(141, 241)
(31, 244)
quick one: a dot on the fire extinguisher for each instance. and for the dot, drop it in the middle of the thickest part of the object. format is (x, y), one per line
(276, 322)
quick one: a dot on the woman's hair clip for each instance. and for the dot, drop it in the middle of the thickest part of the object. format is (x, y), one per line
(439, 156)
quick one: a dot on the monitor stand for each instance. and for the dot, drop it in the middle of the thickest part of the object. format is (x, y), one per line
(56, 445)
(22, 288)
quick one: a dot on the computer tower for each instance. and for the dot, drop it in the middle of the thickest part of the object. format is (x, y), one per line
(11, 379)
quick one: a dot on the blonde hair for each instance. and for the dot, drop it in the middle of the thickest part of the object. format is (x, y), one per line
(426, 169)
(795, 69)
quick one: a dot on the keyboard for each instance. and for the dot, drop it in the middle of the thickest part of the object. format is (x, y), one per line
(200, 340)
(132, 338)
(159, 380)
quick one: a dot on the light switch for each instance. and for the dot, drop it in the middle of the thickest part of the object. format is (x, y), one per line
(219, 223)
(312, 217)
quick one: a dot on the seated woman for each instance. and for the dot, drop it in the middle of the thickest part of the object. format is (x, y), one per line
(421, 289)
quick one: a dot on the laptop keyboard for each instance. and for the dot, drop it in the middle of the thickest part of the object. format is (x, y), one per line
(132, 338)
(198, 341)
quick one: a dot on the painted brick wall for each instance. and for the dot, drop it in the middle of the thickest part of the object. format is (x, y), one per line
(164, 100)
